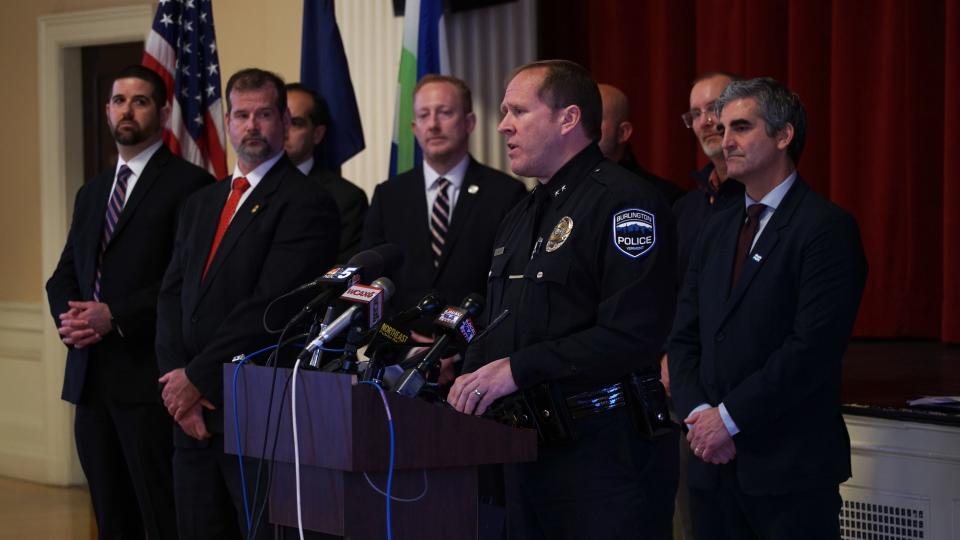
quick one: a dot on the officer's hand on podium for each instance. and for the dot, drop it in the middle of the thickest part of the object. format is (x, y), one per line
(473, 392)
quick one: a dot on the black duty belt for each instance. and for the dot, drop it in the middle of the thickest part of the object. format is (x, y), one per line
(599, 401)
(555, 416)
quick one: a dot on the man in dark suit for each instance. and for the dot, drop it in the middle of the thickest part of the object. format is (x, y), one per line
(765, 313)
(103, 297)
(616, 131)
(309, 118)
(240, 244)
(446, 233)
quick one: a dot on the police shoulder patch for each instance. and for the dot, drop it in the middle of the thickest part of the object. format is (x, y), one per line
(634, 232)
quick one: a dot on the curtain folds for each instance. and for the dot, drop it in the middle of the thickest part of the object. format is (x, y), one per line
(881, 83)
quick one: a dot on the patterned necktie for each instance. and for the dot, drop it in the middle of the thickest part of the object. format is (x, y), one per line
(240, 185)
(114, 207)
(747, 233)
(439, 220)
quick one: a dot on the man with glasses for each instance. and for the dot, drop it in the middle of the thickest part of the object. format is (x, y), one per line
(692, 210)
(714, 192)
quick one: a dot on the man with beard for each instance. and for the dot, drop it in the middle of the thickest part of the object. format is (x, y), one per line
(103, 298)
(240, 244)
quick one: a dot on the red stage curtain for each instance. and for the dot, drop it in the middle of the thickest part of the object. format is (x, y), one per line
(880, 80)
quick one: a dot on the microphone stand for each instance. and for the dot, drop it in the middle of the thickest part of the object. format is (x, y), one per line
(315, 330)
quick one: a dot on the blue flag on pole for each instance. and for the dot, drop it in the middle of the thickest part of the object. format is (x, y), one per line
(324, 69)
(424, 51)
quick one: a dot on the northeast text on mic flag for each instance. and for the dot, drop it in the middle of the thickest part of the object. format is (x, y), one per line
(324, 69)
(182, 48)
(424, 51)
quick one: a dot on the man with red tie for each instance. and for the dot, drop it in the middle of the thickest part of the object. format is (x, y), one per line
(240, 244)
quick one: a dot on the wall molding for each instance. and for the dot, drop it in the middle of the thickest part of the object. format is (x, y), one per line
(21, 331)
(59, 39)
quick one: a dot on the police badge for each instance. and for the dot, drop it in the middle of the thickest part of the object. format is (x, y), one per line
(561, 231)
(634, 232)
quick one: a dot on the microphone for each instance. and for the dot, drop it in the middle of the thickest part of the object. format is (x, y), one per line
(366, 311)
(392, 332)
(381, 260)
(390, 339)
(455, 324)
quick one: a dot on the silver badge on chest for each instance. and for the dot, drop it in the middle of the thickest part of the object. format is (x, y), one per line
(561, 231)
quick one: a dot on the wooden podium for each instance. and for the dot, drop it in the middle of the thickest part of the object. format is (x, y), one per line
(343, 432)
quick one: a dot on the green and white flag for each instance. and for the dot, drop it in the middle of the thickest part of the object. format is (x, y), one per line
(424, 52)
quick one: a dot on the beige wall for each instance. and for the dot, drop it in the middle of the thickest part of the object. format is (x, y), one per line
(250, 32)
(35, 425)
(20, 276)
(263, 34)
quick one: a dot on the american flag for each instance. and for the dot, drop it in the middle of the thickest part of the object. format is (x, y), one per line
(183, 50)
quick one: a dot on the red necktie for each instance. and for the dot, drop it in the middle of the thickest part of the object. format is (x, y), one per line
(239, 186)
(747, 233)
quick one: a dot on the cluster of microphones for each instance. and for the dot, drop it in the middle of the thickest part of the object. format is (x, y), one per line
(350, 310)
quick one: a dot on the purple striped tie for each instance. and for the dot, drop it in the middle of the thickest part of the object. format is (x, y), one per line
(114, 207)
(439, 219)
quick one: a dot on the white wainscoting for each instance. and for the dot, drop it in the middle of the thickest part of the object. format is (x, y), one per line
(906, 481)
(23, 393)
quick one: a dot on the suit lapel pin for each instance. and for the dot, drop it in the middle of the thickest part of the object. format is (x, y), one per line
(473, 189)
(255, 209)
(757, 257)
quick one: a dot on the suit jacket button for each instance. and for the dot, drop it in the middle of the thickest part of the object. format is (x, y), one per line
(721, 336)
(194, 319)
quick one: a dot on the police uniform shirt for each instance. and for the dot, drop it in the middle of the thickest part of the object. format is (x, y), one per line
(590, 287)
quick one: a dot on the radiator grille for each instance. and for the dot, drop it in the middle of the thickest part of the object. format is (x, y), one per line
(868, 515)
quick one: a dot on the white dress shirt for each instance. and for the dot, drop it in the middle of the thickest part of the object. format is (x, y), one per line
(136, 166)
(454, 176)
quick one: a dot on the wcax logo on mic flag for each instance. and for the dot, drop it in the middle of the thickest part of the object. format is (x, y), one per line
(634, 232)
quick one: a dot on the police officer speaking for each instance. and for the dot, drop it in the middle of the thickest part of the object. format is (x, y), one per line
(586, 267)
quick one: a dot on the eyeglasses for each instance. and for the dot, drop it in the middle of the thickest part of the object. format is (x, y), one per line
(693, 115)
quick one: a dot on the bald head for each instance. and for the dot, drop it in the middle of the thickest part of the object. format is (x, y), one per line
(616, 127)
